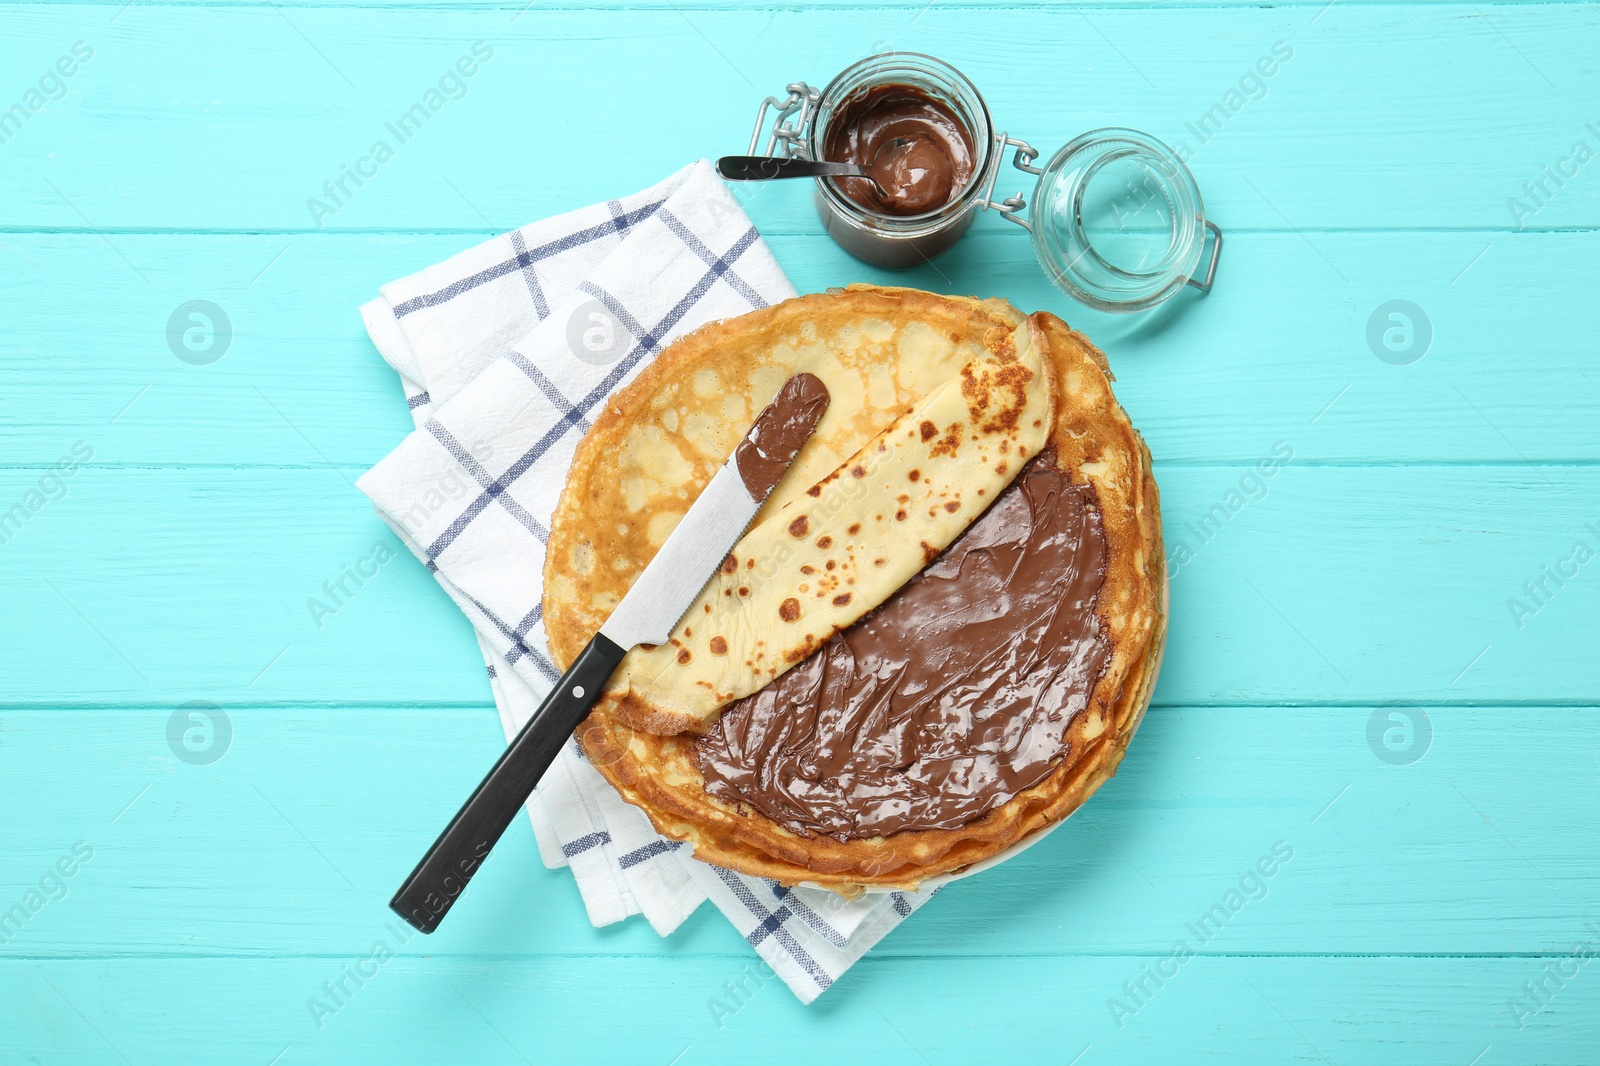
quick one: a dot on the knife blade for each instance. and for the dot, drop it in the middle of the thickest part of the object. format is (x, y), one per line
(653, 605)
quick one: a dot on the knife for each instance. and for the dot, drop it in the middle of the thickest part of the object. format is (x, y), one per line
(646, 615)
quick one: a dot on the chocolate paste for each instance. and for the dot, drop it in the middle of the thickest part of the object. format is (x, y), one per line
(912, 179)
(781, 428)
(947, 700)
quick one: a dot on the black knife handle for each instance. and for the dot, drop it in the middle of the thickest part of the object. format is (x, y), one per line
(437, 882)
(766, 168)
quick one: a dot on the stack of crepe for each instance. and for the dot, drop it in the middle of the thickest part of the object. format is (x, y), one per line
(942, 629)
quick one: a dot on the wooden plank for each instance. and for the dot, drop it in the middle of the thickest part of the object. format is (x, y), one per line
(1328, 583)
(185, 118)
(1273, 353)
(293, 839)
(488, 9)
(1409, 1012)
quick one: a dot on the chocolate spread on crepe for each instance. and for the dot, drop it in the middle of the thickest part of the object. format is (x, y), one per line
(781, 428)
(950, 698)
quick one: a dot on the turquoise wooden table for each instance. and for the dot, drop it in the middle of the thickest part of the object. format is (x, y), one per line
(1382, 675)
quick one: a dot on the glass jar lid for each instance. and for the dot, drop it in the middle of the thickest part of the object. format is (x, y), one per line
(1118, 222)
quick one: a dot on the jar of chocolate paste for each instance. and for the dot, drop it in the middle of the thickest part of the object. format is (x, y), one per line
(1116, 219)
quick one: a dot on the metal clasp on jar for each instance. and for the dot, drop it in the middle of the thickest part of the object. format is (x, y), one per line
(791, 121)
(1011, 207)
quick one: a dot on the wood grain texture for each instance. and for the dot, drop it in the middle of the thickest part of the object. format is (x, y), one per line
(1368, 582)
(1285, 353)
(1386, 1011)
(285, 845)
(1440, 1011)
(200, 117)
(1340, 585)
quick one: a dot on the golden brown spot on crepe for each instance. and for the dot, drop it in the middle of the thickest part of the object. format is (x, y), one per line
(708, 608)
(729, 564)
(750, 563)
(649, 647)
(794, 655)
(831, 564)
(1001, 469)
(824, 542)
(996, 402)
(858, 471)
(949, 444)
(915, 475)
(929, 553)
(719, 646)
(825, 482)
(900, 515)
(805, 586)
(855, 527)
(684, 656)
(953, 506)
(808, 569)
(929, 430)
(789, 609)
(744, 590)
(798, 527)
(879, 561)
(688, 632)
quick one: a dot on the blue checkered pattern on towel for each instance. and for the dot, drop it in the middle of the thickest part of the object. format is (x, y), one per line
(505, 351)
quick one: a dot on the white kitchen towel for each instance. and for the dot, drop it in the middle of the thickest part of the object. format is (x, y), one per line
(504, 351)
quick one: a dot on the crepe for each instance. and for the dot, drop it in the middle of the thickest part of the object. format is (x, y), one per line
(881, 353)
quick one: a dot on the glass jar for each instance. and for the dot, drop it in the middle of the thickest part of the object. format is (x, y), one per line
(899, 241)
(1117, 220)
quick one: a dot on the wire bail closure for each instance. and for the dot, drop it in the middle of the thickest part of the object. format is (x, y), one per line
(791, 119)
(1011, 207)
(1211, 266)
